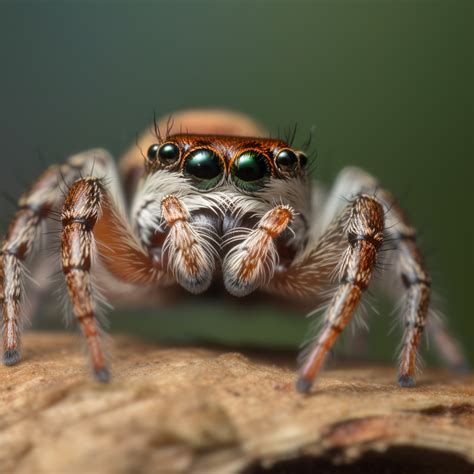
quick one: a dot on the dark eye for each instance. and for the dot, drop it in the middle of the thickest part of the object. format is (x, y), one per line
(151, 153)
(286, 160)
(168, 153)
(303, 159)
(205, 167)
(250, 170)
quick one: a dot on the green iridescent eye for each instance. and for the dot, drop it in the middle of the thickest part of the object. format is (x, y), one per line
(250, 171)
(204, 167)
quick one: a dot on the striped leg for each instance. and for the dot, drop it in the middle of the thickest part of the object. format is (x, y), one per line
(410, 268)
(253, 261)
(364, 230)
(417, 283)
(38, 203)
(95, 230)
(80, 213)
(43, 200)
(188, 251)
(92, 227)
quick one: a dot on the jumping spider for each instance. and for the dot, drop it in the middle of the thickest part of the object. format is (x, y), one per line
(208, 204)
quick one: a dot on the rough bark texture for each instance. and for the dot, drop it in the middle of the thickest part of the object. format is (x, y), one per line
(199, 410)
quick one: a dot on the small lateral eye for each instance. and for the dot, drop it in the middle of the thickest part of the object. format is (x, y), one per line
(286, 160)
(168, 153)
(303, 159)
(152, 151)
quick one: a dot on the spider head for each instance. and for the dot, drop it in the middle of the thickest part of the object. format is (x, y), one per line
(209, 162)
(218, 187)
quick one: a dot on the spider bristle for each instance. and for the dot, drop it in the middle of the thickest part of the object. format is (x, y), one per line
(307, 143)
(293, 134)
(67, 187)
(169, 126)
(157, 128)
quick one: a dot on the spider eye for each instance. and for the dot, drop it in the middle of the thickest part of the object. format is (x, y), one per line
(168, 153)
(286, 160)
(151, 153)
(205, 167)
(303, 159)
(250, 170)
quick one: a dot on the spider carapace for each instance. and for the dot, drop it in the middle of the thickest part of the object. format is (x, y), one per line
(210, 199)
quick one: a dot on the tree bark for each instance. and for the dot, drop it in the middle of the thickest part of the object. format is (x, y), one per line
(200, 410)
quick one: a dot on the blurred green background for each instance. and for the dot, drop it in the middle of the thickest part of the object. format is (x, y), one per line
(387, 86)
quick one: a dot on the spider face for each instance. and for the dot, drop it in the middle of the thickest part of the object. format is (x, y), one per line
(212, 161)
(226, 185)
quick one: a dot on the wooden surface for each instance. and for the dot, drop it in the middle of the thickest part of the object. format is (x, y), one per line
(199, 410)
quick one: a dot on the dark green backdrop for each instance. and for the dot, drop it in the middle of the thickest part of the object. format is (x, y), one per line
(388, 86)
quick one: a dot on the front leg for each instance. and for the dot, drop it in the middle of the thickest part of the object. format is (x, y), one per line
(36, 206)
(79, 216)
(253, 261)
(364, 230)
(94, 229)
(408, 263)
(187, 252)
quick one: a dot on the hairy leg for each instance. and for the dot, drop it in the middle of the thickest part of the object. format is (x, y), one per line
(42, 201)
(94, 230)
(80, 214)
(252, 262)
(362, 224)
(187, 252)
(410, 268)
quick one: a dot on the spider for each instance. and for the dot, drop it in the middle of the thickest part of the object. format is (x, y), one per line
(214, 202)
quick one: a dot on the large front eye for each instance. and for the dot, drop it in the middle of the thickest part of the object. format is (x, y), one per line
(205, 167)
(250, 171)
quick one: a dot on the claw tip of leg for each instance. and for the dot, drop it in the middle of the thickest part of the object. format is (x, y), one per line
(11, 357)
(303, 385)
(102, 375)
(406, 381)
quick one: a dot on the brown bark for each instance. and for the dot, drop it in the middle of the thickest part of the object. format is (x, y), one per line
(199, 410)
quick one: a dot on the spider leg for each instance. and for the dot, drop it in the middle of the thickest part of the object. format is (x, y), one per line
(252, 262)
(362, 224)
(80, 213)
(410, 268)
(93, 229)
(40, 202)
(189, 255)
(34, 206)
